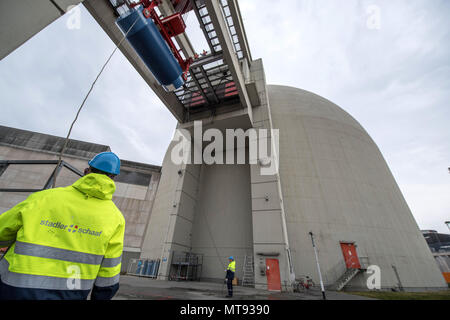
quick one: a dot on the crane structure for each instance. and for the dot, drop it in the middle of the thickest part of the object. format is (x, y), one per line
(215, 82)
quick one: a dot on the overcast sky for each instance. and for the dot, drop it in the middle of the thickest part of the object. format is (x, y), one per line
(385, 62)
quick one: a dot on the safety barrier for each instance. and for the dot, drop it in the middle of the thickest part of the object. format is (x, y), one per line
(186, 266)
(143, 268)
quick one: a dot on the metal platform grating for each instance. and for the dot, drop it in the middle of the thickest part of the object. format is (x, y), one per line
(231, 28)
(209, 83)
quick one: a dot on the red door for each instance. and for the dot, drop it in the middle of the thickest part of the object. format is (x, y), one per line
(350, 255)
(273, 275)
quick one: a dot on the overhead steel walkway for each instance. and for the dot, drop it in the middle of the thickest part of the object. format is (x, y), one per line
(215, 82)
(218, 81)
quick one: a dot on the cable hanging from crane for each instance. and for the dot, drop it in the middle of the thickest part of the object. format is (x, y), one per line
(66, 141)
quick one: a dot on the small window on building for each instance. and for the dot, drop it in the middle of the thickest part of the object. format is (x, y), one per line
(133, 177)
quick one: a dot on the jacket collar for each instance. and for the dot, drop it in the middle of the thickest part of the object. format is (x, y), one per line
(96, 185)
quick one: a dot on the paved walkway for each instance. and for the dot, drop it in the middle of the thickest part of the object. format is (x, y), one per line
(141, 288)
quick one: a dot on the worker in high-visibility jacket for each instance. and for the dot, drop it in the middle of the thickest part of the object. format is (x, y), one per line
(231, 269)
(65, 242)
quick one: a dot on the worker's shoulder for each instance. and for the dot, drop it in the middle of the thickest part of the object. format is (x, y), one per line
(112, 211)
(116, 212)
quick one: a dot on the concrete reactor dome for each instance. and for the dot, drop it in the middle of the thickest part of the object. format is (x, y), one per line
(332, 181)
(336, 183)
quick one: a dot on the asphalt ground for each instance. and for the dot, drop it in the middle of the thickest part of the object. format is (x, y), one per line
(141, 288)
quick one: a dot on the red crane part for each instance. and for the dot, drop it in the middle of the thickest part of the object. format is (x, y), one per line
(174, 24)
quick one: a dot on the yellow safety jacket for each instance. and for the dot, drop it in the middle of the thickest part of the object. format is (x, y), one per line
(232, 266)
(65, 238)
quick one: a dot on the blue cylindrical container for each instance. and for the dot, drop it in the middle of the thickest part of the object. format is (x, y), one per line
(147, 41)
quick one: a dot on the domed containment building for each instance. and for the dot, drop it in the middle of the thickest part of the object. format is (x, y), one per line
(336, 183)
(332, 181)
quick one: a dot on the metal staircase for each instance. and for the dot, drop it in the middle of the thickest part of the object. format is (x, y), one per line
(248, 279)
(348, 272)
(348, 275)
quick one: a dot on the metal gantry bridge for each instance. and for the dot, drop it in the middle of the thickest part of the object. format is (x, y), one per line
(216, 81)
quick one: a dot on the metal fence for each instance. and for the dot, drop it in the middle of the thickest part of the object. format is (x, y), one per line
(59, 165)
(143, 268)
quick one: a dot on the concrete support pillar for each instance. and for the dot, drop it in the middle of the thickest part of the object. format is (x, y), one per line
(170, 224)
(269, 226)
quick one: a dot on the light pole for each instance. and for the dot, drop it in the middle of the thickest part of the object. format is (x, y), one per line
(318, 265)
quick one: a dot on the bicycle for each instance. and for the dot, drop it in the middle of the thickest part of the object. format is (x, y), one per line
(303, 283)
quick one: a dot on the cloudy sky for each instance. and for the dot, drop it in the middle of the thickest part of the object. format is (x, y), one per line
(385, 62)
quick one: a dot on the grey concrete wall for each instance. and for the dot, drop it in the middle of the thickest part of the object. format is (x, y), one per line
(269, 240)
(223, 221)
(171, 219)
(49, 144)
(204, 209)
(336, 183)
(134, 200)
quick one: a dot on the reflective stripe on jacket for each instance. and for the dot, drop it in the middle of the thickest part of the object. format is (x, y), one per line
(65, 238)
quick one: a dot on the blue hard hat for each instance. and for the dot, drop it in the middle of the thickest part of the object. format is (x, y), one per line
(107, 162)
(231, 258)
